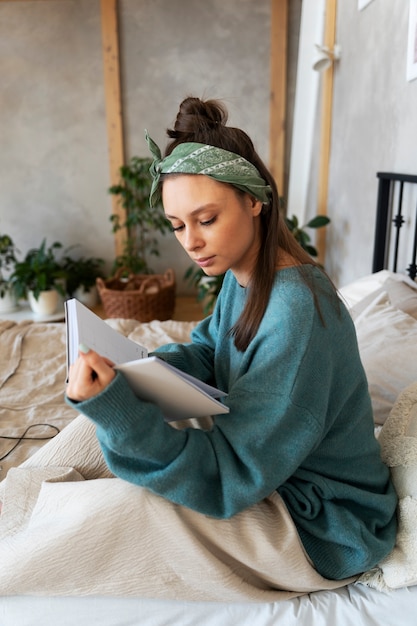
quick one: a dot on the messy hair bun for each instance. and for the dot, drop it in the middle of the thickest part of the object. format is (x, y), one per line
(202, 121)
(197, 120)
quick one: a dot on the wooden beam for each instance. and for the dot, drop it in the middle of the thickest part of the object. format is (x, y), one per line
(114, 117)
(278, 90)
(326, 126)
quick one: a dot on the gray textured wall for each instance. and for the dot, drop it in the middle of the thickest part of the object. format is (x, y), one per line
(54, 162)
(374, 127)
(54, 170)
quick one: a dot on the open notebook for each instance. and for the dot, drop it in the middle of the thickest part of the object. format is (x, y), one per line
(179, 395)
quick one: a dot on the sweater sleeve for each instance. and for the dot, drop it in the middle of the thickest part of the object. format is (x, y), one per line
(195, 358)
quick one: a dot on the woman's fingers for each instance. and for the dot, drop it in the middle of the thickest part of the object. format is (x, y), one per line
(89, 375)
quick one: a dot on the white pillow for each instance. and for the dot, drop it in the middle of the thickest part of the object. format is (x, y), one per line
(355, 291)
(401, 289)
(387, 339)
(398, 439)
(402, 295)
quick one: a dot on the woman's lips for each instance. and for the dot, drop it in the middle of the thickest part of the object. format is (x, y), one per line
(205, 262)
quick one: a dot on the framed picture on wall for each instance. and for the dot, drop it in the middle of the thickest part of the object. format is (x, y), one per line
(412, 42)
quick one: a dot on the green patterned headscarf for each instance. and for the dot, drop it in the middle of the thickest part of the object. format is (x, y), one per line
(200, 158)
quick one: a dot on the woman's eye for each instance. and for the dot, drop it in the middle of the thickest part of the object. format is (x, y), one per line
(177, 229)
(208, 222)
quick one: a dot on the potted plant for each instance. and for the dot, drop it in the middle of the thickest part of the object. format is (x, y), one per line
(81, 275)
(134, 290)
(40, 277)
(8, 259)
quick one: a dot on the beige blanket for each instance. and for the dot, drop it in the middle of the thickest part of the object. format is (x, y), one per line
(62, 535)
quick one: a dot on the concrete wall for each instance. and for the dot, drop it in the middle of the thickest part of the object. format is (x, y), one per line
(54, 170)
(54, 161)
(374, 127)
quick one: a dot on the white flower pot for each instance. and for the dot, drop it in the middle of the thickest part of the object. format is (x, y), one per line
(8, 301)
(206, 284)
(89, 298)
(47, 302)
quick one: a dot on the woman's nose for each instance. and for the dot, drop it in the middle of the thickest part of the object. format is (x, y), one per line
(192, 240)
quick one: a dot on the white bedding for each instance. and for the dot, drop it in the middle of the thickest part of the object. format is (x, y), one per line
(349, 606)
(28, 346)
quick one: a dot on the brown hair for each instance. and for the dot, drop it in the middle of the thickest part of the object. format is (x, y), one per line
(205, 122)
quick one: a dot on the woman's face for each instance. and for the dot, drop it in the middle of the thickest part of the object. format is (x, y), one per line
(216, 225)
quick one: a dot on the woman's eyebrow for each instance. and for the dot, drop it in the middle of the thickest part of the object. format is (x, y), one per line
(199, 209)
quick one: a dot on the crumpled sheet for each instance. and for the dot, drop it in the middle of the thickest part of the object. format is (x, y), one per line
(33, 373)
(32, 386)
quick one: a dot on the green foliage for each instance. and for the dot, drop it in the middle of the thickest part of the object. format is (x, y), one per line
(8, 252)
(140, 219)
(301, 235)
(208, 287)
(39, 271)
(81, 272)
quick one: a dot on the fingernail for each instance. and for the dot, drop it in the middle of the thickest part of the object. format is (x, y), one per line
(83, 348)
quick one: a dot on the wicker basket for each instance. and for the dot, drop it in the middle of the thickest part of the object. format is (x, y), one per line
(141, 297)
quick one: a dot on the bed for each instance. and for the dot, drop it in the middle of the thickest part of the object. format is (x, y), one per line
(36, 424)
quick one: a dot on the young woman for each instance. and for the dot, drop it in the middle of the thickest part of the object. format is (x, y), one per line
(287, 491)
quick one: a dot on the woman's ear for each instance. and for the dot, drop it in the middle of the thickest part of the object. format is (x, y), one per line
(256, 206)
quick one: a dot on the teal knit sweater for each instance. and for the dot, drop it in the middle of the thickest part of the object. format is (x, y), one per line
(300, 422)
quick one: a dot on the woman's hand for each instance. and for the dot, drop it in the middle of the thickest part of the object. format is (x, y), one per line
(89, 375)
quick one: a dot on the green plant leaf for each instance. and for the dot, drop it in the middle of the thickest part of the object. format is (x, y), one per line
(292, 222)
(311, 250)
(318, 221)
